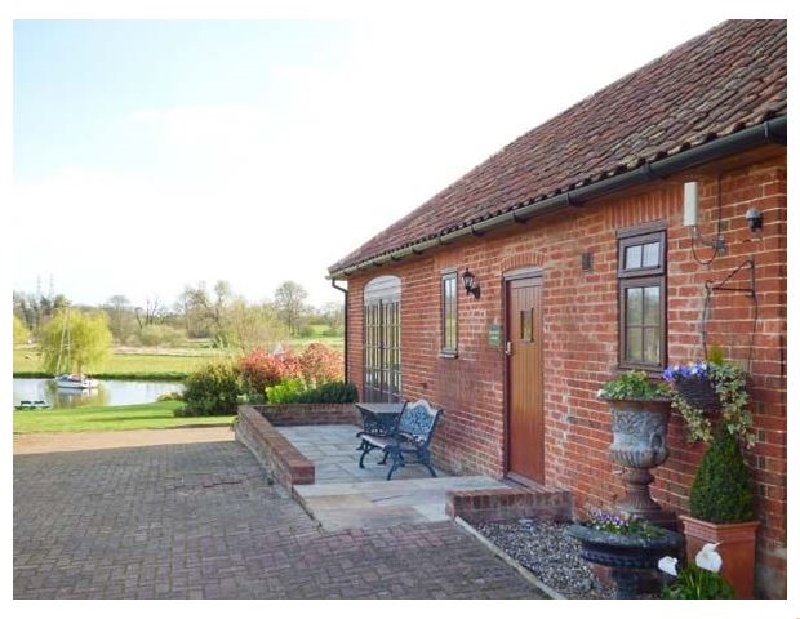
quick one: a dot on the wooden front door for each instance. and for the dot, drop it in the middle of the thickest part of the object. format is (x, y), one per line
(525, 378)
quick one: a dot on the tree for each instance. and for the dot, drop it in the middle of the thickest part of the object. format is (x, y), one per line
(118, 307)
(289, 299)
(207, 313)
(253, 326)
(89, 341)
(21, 333)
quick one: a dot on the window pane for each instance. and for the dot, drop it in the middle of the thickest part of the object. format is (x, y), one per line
(651, 346)
(633, 306)
(651, 257)
(651, 306)
(449, 316)
(633, 347)
(633, 257)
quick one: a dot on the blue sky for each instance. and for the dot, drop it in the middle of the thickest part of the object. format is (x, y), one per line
(153, 154)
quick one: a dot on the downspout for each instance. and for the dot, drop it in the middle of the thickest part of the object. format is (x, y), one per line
(344, 290)
(769, 132)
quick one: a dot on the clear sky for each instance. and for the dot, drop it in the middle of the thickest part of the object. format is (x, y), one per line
(153, 154)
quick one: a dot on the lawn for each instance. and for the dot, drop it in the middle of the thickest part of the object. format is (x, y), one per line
(96, 418)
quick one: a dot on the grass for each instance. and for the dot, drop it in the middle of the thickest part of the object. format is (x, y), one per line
(151, 364)
(155, 415)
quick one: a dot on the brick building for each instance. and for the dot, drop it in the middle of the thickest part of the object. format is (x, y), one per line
(613, 236)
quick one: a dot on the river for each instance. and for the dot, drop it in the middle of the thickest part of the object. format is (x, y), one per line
(109, 393)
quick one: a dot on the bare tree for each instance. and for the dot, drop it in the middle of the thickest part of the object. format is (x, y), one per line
(289, 299)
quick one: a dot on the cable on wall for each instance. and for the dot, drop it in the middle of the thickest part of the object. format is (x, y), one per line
(718, 243)
(750, 291)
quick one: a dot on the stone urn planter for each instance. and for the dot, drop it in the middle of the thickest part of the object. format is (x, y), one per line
(640, 410)
(639, 428)
(627, 555)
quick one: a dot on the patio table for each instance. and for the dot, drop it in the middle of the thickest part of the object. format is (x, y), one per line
(378, 419)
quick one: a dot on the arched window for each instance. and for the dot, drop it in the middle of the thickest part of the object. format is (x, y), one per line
(382, 339)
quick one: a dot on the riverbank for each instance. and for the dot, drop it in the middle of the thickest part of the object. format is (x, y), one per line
(153, 364)
(155, 415)
(161, 377)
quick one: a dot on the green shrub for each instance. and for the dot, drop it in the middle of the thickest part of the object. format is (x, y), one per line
(161, 335)
(212, 390)
(330, 393)
(721, 491)
(169, 397)
(286, 392)
(306, 331)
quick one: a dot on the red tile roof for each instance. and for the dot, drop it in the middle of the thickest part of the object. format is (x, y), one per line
(730, 78)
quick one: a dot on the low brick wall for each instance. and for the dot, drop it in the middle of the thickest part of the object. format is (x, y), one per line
(507, 503)
(309, 414)
(273, 450)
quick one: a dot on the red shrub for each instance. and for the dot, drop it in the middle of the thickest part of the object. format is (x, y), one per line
(261, 370)
(321, 364)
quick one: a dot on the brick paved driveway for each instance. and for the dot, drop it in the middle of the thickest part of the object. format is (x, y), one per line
(201, 521)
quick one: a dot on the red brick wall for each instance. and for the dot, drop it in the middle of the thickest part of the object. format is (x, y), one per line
(580, 316)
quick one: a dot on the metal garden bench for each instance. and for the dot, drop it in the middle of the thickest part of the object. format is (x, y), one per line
(411, 437)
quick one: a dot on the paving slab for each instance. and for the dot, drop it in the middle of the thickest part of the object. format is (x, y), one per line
(345, 495)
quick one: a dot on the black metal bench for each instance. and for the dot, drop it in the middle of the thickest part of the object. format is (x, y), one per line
(411, 437)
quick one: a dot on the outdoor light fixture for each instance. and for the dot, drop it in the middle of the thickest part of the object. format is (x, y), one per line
(469, 284)
(755, 219)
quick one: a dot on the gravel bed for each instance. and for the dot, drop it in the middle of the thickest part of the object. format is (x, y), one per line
(550, 554)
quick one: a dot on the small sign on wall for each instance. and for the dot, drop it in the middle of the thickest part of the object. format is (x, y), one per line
(495, 334)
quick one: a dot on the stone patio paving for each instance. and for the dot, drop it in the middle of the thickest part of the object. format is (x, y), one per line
(346, 496)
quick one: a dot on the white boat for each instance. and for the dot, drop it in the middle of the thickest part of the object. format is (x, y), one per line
(76, 381)
(79, 382)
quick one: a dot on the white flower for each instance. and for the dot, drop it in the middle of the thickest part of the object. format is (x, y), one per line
(708, 558)
(599, 393)
(667, 565)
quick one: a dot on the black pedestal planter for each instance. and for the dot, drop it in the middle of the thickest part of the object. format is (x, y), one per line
(625, 554)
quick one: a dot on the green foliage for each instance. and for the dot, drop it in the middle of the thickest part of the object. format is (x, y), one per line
(287, 391)
(715, 354)
(731, 386)
(336, 392)
(622, 524)
(306, 331)
(633, 385)
(721, 491)
(21, 332)
(212, 390)
(172, 396)
(161, 335)
(89, 337)
(695, 583)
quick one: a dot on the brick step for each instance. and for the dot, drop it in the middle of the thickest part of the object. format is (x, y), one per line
(494, 505)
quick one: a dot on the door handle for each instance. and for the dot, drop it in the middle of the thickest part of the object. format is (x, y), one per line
(508, 348)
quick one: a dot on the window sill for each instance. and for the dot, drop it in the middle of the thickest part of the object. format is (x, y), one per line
(651, 372)
(448, 354)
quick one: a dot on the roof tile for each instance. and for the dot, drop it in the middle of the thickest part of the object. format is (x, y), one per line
(722, 81)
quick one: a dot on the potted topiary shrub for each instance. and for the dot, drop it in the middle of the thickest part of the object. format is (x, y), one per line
(721, 511)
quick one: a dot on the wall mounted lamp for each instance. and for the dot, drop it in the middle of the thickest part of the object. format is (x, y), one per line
(469, 284)
(755, 219)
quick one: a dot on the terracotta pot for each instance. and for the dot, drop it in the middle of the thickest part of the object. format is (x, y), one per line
(736, 544)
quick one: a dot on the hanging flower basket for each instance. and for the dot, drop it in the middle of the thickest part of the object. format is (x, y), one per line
(699, 391)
